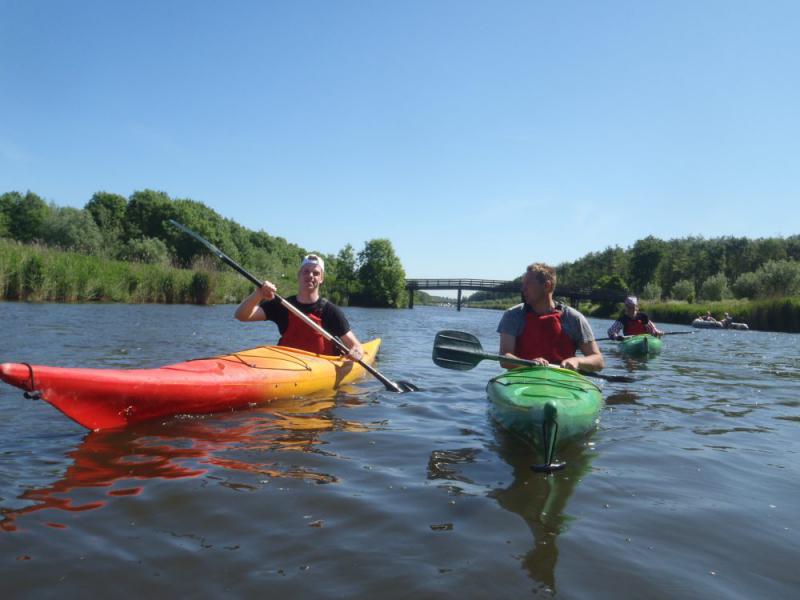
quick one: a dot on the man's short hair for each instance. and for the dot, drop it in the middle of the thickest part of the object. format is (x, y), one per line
(543, 273)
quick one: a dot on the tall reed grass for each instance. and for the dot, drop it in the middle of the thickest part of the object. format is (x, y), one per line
(40, 274)
(776, 314)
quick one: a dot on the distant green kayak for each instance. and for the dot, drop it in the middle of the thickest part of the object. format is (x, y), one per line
(546, 405)
(641, 345)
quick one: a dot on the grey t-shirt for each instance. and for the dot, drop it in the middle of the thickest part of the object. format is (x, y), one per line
(573, 323)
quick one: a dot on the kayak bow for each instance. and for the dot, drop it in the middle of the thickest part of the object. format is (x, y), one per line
(547, 406)
(641, 345)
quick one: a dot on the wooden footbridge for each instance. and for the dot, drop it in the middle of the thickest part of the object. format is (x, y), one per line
(574, 295)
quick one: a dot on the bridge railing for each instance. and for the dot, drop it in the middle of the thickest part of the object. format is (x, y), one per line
(498, 285)
(454, 284)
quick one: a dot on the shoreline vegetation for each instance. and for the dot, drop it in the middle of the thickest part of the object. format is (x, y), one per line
(126, 250)
(771, 314)
(36, 273)
(119, 249)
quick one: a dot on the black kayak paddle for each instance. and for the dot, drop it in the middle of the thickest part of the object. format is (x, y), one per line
(462, 351)
(624, 337)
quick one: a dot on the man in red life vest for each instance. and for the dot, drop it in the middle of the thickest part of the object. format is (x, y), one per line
(545, 332)
(632, 322)
(262, 305)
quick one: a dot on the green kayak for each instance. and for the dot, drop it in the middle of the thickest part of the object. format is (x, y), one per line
(546, 405)
(641, 345)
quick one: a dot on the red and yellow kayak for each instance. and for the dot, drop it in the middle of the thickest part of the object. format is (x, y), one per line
(111, 398)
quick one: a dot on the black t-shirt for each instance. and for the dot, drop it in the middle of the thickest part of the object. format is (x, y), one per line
(333, 319)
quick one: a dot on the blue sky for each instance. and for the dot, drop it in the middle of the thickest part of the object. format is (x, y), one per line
(477, 136)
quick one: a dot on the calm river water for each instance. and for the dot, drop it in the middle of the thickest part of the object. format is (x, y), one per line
(689, 488)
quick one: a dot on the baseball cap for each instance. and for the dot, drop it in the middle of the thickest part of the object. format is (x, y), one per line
(631, 301)
(313, 259)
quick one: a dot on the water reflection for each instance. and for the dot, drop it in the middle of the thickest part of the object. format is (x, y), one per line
(540, 499)
(635, 363)
(122, 461)
(622, 397)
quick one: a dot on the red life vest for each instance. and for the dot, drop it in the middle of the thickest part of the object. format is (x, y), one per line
(543, 337)
(300, 335)
(635, 326)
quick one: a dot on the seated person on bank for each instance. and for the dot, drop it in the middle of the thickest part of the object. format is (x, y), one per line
(262, 305)
(545, 332)
(632, 322)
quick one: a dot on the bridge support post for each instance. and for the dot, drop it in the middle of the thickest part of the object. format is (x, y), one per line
(410, 298)
(458, 302)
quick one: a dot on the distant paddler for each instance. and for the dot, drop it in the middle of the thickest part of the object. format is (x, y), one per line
(632, 322)
(545, 332)
(708, 317)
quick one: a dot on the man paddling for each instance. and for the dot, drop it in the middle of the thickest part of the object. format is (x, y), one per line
(545, 332)
(632, 322)
(262, 305)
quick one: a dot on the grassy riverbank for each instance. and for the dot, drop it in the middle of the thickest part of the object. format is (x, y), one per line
(778, 314)
(40, 274)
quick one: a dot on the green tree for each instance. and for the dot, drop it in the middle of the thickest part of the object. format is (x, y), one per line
(793, 247)
(380, 274)
(780, 278)
(747, 285)
(208, 223)
(6, 206)
(26, 216)
(652, 291)
(145, 250)
(108, 211)
(345, 282)
(715, 288)
(683, 289)
(612, 283)
(147, 214)
(72, 229)
(645, 258)
(767, 249)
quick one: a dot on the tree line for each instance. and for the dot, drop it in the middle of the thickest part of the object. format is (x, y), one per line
(691, 269)
(137, 230)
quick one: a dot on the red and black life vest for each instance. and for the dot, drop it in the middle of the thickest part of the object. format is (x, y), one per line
(635, 326)
(300, 335)
(543, 337)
